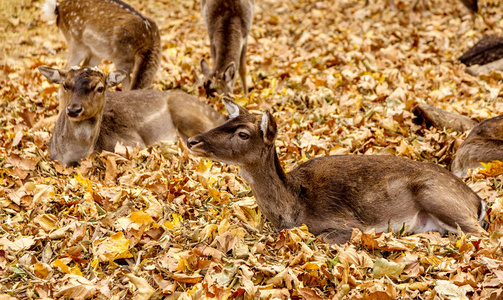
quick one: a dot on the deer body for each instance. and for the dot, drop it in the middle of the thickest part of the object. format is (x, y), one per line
(228, 24)
(334, 194)
(109, 29)
(483, 144)
(95, 119)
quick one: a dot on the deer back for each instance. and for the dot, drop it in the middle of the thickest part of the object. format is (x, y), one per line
(483, 144)
(110, 29)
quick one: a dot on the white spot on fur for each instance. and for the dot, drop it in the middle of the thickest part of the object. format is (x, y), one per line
(155, 116)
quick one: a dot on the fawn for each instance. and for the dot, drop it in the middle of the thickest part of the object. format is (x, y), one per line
(228, 23)
(109, 29)
(333, 194)
(95, 119)
(483, 144)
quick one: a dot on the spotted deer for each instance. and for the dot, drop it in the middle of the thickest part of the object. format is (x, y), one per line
(228, 23)
(334, 194)
(109, 29)
(483, 144)
(95, 119)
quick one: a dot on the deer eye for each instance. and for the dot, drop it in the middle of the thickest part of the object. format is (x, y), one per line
(244, 135)
(100, 89)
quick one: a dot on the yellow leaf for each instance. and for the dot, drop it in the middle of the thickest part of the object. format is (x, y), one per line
(95, 263)
(84, 182)
(65, 269)
(310, 266)
(61, 265)
(177, 220)
(141, 217)
(111, 248)
(143, 289)
(47, 222)
(41, 270)
(492, 169)
(169, 225)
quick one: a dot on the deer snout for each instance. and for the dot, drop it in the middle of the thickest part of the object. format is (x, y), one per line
(74, 111)
(191, 142)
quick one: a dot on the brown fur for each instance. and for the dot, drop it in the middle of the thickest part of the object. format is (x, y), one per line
(441, 119)
(94, 119)
(483, 144)
(111, 29)
(228, 23)
(334, 194)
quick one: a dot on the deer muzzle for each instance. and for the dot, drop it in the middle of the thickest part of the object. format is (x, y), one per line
(74, 111)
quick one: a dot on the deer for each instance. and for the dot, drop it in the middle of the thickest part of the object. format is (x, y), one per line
(484, 144)
(334, 194)
(485, 56)
(109, 29)
(94, 119)
(228, 23)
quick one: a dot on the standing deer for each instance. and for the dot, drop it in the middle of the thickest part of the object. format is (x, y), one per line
(228, 23)
(483, 144)
(109, 29)
(333, 194)
(95, 119)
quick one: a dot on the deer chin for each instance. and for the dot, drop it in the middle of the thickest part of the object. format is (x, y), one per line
(199, 152)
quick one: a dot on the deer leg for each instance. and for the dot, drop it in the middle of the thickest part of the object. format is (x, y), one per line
(76, 55)
(92, 60)
(449, 214)
(126, 67)
(338, 236)
(144, 70)
(242, 69)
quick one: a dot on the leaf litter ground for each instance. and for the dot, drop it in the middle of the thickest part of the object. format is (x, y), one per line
(158, 223)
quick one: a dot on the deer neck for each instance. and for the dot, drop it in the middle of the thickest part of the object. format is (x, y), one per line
(229, 45)
(274, 191)
(71, 141)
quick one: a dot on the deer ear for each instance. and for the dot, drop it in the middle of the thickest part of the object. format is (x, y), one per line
(53, 75)
(116, 77)
(205, 68)
(268, 127)
(233, 108)
(230, 72)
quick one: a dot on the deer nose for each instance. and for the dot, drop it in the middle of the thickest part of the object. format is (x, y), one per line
(74, 112)
(191, 142)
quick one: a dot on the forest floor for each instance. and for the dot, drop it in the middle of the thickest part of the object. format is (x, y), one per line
(339, 76)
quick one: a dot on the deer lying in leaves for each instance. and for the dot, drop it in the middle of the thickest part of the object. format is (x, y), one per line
(109, 29)
(334, 194)
(483, 144)
(228, 23)
(95, 119)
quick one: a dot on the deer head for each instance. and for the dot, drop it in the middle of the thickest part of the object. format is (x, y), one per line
(82, 90)
(240, 141)
(222, 82)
